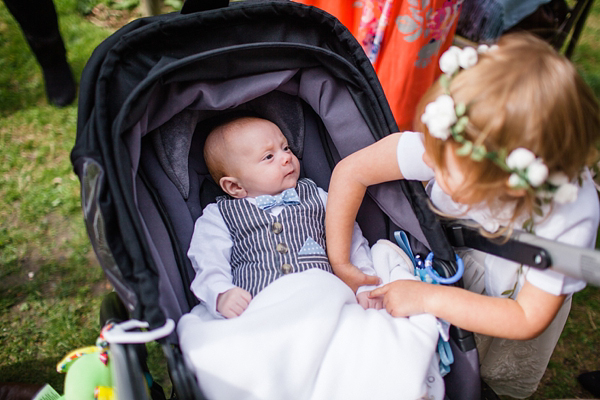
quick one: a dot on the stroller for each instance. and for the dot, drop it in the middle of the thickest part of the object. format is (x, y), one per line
(146, 94)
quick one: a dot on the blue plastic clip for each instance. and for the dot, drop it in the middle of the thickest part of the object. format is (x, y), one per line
(446, 281)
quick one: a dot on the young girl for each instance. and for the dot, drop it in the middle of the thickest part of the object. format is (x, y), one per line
(507, 137)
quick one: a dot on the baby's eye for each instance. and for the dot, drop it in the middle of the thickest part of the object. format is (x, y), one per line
(286, 148)
(268, 157)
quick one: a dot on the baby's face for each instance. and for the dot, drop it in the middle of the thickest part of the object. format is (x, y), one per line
(262, 160)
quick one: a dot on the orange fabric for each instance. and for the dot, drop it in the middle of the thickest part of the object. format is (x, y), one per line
(347, 11)
(418, 32)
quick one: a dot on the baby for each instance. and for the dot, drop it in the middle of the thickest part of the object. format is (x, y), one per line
(271, 224)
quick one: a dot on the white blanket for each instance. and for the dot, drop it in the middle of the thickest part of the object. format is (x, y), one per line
(305, 337)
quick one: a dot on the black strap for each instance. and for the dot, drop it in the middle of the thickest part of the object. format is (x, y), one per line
(513, 250)
(192, 6)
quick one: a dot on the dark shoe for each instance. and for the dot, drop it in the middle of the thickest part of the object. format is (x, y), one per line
(60, 85)
(487, 393)
(590, 381)
(51, 55)
(18, 391)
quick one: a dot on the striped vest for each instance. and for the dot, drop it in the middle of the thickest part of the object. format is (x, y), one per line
(266, 247)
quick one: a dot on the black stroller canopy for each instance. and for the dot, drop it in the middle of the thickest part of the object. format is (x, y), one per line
(146, 96)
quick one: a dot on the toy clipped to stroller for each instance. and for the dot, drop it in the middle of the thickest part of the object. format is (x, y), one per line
(91, 372)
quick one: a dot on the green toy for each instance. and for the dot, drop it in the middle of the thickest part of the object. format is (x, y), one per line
(89, 375)
(88, 372)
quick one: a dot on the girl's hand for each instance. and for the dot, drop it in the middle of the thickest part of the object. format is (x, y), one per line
(233, 302)
(354, 277)
(521, 319)
(402, 298)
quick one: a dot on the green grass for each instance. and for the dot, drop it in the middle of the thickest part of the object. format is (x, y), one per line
(50, 283)
(577, 351)
(587, 53)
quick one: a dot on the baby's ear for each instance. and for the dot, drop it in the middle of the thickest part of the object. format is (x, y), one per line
(232, 187)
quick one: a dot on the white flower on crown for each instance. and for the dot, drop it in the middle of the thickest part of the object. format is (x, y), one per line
(531, 171)
(537, 172)
(449, 60)
(467, 57)
(520, 158)
(524, 161)
(439, 116)
(566, 193)
(515, 181)
(558, 178)
(455, 58)
(484, 48)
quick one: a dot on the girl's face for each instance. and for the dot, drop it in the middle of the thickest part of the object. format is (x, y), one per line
(451, 177)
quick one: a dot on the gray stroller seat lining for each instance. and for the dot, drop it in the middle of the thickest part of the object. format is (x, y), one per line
(315, 112)
(173, 139)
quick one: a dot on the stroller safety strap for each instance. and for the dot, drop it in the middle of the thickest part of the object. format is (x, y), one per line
(121, 333)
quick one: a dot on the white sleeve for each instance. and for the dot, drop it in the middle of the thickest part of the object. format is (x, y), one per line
(210, 255)
(410, 152)
(360, 252)
(557, 283)
(575, 224)
(554, 282)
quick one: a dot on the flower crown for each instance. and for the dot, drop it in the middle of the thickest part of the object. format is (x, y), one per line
(445, 119)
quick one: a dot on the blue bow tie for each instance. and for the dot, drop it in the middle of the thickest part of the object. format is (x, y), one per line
(285, 198)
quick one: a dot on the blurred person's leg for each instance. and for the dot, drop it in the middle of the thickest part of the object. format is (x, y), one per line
(39, 23)
(591, 382)
(18, 391)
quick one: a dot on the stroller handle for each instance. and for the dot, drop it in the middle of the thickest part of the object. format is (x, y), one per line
(121, 333)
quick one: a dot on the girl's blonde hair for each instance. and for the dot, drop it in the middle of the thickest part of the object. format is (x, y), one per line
(521, 94)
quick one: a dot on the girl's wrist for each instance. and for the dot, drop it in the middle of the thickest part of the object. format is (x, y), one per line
(429, 299)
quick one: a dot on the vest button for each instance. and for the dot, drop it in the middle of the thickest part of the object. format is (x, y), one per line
(286, 268)
(281, 248)
(277, 228)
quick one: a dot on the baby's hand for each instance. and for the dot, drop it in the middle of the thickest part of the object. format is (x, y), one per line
(366, 301)
(233, 302)
(354, 277)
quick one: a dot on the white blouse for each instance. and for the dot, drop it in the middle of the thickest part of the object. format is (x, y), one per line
(573, 223)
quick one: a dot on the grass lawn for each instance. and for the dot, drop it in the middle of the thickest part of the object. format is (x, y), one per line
(50, 282)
